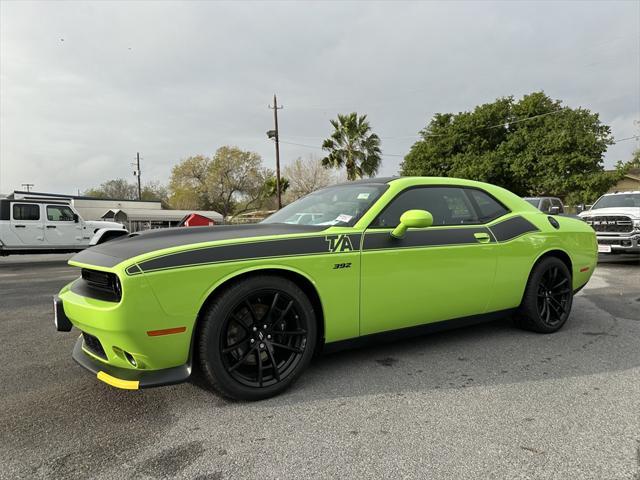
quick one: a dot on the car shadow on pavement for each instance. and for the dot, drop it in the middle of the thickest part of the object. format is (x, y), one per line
(593, 341)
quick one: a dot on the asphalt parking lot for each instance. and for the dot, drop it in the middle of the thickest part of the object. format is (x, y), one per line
(482, 402)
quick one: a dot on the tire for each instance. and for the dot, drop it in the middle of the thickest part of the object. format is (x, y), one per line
(548, 297)
(256, 338)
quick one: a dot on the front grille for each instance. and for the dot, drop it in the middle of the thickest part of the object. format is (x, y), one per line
(609, 241)
(100, 285)
(93, 345)
(611, 223)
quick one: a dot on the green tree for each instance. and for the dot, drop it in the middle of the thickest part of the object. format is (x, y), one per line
(271, 188)
(117, 189)
(534, 146)
(635, 160)
(353, 146)
(123, 190)
(231, 182)
(188, 184)
(155, 191)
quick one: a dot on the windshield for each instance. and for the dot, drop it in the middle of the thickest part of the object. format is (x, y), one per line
(341, 205)
(533, 201)
(618, 200)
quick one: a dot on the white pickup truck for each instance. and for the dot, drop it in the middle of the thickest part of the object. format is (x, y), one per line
(42, 226)
(616, 219)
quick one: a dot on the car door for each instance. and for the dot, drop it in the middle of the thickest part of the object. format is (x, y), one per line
(27, 224)
(61, 226)
(436, 273)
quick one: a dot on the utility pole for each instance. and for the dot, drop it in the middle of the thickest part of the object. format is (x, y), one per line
(274, 134)
(137, 174)
(28, 186)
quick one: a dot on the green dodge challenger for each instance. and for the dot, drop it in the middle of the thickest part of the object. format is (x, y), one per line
(249, 305)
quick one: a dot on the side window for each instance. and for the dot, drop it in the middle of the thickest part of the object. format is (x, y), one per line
(26, 211)
(545, 205)
(448, 205)
(59, 213)
(557, 203)
(489, 208)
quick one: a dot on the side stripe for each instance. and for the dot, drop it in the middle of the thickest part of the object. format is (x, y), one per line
(317, 245)
(512, 228)
(424, 238)
(245, 251)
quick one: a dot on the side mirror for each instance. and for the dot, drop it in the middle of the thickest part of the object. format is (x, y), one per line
(554, 210)
(76, 218)
(412, 219)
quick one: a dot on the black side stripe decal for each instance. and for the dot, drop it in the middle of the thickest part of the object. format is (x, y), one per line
(246, 251)
(424, 238)
(376, 240)
(512, 228)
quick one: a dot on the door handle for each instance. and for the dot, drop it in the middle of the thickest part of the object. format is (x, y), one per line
(51, 226)
(482, 237)
(20, 226)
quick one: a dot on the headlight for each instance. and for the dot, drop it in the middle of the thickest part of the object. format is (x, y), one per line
(636, 224)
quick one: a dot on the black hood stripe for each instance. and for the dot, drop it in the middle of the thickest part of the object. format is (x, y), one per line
(111, 253)
(512, 228)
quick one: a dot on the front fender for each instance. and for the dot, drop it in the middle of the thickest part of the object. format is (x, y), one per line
(106, 234)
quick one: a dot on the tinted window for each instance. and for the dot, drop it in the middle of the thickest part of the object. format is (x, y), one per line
(59, 213)
(557, 203)
(545, 205)
(448, 205)
(25, 211)
(488, 207)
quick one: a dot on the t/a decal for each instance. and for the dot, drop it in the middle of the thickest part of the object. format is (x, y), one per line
(339, 243)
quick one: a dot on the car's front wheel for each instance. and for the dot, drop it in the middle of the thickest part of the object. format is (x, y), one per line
(547, 298)
(257, 337)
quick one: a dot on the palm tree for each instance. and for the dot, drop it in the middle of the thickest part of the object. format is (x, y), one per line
(352, 145)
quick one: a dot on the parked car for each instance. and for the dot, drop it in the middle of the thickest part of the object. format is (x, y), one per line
(249, 305)
(550, 205)
(616, 219)
(28, 226)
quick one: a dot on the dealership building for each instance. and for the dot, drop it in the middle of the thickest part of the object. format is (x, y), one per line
(135, 215)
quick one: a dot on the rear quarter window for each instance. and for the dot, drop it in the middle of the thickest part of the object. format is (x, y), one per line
(488, 207)
(26, 211)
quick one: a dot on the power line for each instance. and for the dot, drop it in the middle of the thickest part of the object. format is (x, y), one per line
(634, 137)
(316, 147)
(505, 124)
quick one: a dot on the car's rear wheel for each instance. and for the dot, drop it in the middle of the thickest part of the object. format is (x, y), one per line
(548, 297)
(257, 337)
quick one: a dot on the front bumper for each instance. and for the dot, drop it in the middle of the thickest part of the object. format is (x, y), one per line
(126, 378)
(619, 243)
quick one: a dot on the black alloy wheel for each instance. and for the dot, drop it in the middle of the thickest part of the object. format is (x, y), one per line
(263, 339)
(257, 337)
(548, 297)
(554, 296)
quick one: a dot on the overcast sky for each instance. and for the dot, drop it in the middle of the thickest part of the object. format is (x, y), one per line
(83, 86)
